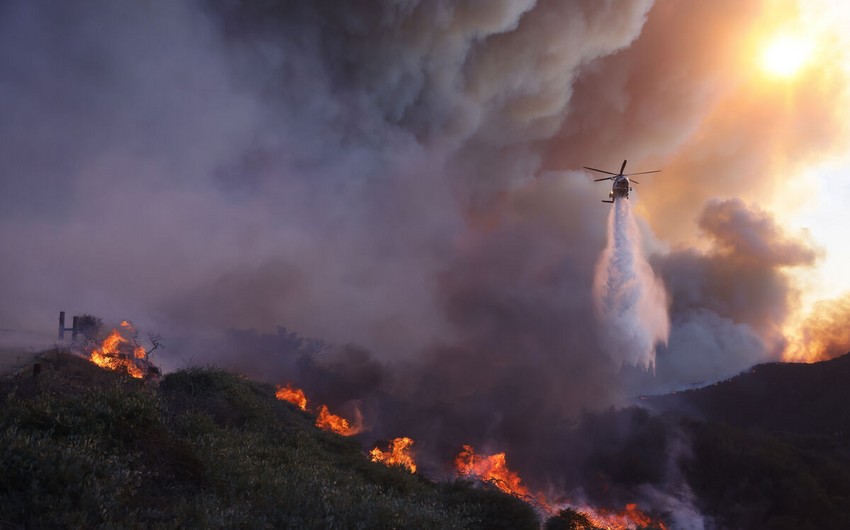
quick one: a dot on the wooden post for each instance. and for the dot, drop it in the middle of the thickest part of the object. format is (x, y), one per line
(74, 329)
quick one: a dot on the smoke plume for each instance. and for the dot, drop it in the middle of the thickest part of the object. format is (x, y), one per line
(822, 335)
(630, 300)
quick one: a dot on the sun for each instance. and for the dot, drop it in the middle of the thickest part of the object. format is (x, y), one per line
(785, 55)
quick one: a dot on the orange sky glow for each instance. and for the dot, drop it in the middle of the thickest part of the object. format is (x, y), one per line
(774, 134)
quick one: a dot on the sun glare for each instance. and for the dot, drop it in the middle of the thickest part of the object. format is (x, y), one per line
(784, 55)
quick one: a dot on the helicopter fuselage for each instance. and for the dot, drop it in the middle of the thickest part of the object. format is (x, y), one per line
(622, 183)
(620, 189)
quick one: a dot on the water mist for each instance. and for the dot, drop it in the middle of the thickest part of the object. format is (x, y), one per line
(631, 302)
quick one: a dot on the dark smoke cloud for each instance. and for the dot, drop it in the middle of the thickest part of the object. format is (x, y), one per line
(251, 165)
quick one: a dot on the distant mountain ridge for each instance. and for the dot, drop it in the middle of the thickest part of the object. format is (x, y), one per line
(795, 398)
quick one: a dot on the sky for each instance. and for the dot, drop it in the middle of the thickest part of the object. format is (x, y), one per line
(404, 178)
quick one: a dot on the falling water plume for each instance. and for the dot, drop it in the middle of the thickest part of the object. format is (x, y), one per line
(631, 302)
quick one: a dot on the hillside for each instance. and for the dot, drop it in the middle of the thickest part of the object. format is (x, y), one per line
(768, 448)
(789, 398)
(81, 447)
(84, 447)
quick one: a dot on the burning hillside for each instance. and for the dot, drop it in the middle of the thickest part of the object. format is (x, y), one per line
(293, 395)
(491, 469)
(324, 418)
(120, 351)
(397, 454)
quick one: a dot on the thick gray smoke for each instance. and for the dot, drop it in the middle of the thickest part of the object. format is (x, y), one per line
(630, 301)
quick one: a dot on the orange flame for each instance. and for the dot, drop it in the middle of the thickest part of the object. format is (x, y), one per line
(325, 419)
(294, 395)
(397, 454)
(630, 518)
(117, 352)
(334, 423)
(492, 469)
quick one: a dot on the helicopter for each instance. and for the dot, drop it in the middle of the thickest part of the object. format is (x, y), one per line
(622, 183)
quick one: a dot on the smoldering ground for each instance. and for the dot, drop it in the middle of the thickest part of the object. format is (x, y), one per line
(396, 176)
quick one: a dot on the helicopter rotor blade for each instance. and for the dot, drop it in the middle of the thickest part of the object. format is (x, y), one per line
(634, 181)
(600, 170)
(623, 167)
(642, 173)
(600, 180)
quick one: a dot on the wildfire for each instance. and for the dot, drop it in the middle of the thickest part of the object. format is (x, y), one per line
(119, 351)
(488, 468)
(630, 518)
(324, 419)
(331, 422)
(493, 469)
(397, 454)
(293, 395)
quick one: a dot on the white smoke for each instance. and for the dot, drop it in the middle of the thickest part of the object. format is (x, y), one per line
(631, 301)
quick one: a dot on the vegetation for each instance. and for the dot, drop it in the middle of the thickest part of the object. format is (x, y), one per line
(772, 450)
(85, 448)
(747, 478)
(569, 519)
(89, 326)
(82, 447)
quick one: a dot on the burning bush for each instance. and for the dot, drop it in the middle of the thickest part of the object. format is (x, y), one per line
(293, 395)
(120, 351)
(397, 454)
(331, 422)
(324, 418)
(493, 469)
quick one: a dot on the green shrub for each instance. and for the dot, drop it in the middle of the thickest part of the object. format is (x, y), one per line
(209, 449)
(489, 508)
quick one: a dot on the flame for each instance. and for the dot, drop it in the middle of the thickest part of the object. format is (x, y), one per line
(118, 352)
(325, 419)
(493, 469)
(337, 424)
(630, 518)
(294, 395)
(138, 350)
(397, 454)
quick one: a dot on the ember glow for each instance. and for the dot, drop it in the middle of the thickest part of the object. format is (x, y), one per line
(493, 469)
(120, 352)
(293, 395)
(397, 454)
